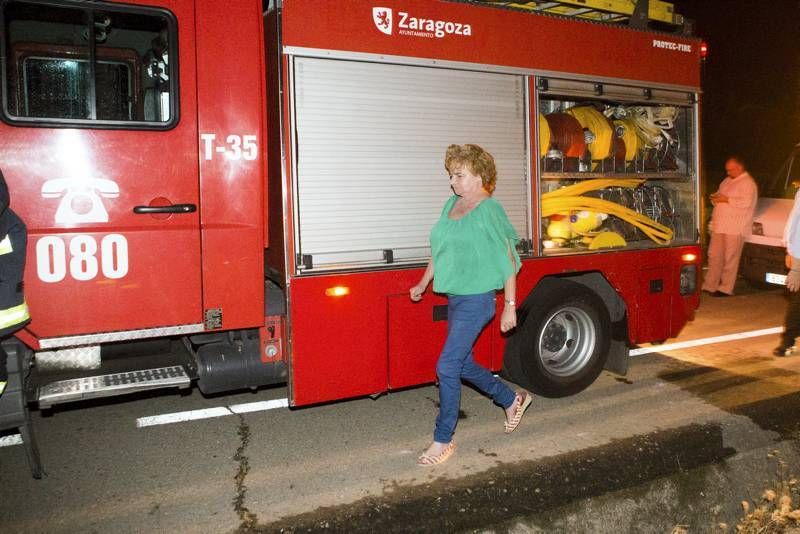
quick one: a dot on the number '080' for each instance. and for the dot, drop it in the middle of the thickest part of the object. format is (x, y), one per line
(82, 258)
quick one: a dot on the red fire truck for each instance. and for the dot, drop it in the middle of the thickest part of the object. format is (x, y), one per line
(238, 194)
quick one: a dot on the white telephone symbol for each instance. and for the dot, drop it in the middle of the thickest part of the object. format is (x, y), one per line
(81, 200)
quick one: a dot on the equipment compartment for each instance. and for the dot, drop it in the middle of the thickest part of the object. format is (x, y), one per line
(617, 166)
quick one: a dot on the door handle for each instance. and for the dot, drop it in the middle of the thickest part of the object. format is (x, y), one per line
(174, 208)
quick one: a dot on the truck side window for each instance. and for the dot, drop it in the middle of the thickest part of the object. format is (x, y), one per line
(92, 64)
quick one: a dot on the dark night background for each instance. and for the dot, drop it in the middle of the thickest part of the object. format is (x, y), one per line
(751, 83)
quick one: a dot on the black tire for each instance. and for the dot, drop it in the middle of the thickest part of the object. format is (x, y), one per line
(562, 341)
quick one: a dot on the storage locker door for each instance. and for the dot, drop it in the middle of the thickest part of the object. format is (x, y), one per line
(370, 140)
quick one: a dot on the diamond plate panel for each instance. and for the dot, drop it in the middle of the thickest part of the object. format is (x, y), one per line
(107, 337)
(72, 358)
(112, 384)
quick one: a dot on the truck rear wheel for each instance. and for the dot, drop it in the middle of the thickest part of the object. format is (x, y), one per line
(562, 343)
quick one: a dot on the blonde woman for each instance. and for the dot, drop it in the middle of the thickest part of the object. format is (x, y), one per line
(472, 256)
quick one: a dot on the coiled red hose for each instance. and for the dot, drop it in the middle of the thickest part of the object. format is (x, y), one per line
(566, 134)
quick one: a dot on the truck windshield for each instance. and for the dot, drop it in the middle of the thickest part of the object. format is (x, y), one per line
(787, 180)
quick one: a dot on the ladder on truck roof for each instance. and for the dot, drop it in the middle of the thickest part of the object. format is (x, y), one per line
(634, 13)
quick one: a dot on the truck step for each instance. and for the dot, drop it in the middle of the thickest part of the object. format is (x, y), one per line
(92, 387)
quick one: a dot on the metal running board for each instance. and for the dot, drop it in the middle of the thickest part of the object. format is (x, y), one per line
(92, 387)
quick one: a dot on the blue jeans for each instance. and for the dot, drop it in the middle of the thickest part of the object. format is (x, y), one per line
(466, 317)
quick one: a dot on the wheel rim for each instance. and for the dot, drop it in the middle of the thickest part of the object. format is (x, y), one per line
(567, 341)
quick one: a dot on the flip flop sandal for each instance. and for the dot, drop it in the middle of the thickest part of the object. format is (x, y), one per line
(428, 460)
(526, 400)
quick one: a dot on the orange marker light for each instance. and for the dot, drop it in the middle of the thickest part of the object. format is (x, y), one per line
(688, 258)
(337, 291)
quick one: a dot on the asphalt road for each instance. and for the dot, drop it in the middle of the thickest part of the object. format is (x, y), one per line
(681, 440)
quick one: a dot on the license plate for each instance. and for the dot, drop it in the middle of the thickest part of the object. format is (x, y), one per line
(774, 278)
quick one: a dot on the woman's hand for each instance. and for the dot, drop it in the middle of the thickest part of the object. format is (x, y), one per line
(416, 292)
(508, 320)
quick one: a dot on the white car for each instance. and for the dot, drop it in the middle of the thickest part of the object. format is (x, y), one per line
(764, 252)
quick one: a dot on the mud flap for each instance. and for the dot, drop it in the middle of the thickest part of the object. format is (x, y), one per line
(618, 351)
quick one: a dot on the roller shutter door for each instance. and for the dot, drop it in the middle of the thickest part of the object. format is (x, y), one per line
(369, 145)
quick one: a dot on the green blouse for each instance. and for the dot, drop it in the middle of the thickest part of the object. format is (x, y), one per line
(470, 254)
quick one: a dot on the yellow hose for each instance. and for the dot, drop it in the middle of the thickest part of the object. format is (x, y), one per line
(629, 136)
(592, 185)
(544, 136)
(595, 122)
(655, 231)
(568, 199)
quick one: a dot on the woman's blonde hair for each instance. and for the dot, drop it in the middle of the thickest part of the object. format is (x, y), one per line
(476, 160)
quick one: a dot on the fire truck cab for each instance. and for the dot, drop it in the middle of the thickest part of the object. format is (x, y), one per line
(241, 194)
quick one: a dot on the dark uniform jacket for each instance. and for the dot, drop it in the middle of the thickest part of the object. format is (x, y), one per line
(13, 242)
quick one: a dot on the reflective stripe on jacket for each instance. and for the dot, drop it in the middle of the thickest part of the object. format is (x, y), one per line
(5, 245)
(14, 315)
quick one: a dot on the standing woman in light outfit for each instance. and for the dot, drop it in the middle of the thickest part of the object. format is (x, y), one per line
(472, 256)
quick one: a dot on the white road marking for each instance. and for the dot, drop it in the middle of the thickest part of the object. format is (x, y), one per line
(223, 411)
(220, 411)
(706, 341)
(13, 439)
